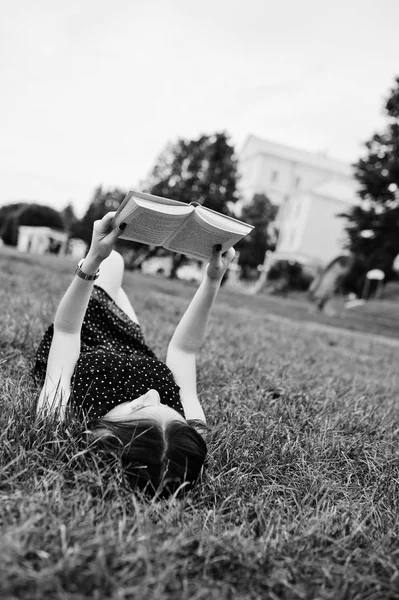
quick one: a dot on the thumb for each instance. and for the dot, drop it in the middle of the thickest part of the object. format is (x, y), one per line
(106, 221)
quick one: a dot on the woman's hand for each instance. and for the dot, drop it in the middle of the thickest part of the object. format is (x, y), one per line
(104, 237)
(219, 263)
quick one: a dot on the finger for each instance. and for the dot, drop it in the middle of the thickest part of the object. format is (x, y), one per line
(216, 260)
(115, 233)
(216, 256)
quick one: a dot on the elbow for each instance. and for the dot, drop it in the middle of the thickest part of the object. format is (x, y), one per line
(184, 347)
(65, 326)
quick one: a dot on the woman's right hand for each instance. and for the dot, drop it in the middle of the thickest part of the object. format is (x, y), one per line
(104, 237)
(219, 263)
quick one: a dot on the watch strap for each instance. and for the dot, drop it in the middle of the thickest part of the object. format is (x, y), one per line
(83, 275)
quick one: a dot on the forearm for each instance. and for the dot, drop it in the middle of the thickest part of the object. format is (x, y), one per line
(191, 330)
(71, 310)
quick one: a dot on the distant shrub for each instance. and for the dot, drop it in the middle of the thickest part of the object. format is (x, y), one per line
(290, 275)
(39, 215)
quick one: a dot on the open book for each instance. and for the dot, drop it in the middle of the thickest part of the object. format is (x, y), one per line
(185, 228)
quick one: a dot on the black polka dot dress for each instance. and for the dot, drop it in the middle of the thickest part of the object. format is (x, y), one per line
(115, 364)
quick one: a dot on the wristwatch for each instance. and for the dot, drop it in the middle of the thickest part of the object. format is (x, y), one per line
(83, 275)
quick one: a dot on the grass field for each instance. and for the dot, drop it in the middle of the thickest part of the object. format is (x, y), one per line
(301, 496)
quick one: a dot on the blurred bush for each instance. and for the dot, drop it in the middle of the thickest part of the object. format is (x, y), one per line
(290, 275)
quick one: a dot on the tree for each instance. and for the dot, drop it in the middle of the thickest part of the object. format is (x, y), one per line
(261, 213)
(373, 224)
(69, 218)
(27, 214)
(8, 223)
(202, 170)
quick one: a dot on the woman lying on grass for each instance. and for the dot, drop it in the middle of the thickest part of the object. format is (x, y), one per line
(94, 362)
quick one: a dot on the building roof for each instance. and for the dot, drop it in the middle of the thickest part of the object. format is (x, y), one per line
(41, 228)
(256, 145)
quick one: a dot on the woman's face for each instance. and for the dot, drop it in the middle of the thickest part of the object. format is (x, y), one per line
(148, 406)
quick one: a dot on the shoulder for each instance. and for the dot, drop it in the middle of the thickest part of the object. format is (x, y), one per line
(200, 426)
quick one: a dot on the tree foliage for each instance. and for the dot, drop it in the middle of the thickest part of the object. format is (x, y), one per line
(203, 170)
(373, 224)
(39, 215)
(261, 213)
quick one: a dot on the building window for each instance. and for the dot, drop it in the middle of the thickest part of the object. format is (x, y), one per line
(274, 176)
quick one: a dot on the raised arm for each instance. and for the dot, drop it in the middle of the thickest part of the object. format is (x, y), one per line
(65, 346)
(190, 333)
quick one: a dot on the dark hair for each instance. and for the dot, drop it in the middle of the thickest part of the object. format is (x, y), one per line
(155, 460)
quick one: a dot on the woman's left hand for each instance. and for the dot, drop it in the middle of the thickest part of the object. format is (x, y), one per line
(104, 237)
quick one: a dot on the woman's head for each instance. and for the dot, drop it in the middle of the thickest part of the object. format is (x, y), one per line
(159, 451)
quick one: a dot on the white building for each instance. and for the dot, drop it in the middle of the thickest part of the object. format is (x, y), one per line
(311, 190)
(309, 223)
(41, 240)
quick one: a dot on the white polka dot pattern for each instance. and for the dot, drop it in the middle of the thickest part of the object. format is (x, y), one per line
(115, 364)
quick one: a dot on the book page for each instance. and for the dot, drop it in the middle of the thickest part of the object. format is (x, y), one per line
(196, 238)
(223, 221)
(152, 226)
(132, 199)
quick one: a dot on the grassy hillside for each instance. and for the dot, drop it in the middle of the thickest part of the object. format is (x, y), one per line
(300, 499)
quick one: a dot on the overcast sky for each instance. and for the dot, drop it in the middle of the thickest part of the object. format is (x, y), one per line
(92, 90)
